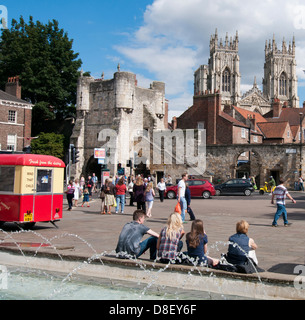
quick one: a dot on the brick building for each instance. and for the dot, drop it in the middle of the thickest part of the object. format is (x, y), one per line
(15, 118)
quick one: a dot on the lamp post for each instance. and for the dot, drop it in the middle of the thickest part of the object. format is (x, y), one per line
(301, 141)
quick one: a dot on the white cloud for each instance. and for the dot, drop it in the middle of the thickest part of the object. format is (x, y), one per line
(174, 39)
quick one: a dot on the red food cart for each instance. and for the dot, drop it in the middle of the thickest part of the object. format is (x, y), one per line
(31, 189)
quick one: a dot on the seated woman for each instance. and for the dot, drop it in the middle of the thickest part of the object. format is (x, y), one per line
(169, 243)
(241, 247)
(196, 242)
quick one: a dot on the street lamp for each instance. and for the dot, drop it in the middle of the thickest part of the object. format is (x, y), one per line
(301, 141)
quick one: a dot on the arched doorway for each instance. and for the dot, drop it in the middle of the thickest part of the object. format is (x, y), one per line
(93, 167)
(248, 164)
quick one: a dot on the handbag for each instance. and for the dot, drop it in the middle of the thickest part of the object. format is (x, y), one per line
(102, 195)
(178, 208)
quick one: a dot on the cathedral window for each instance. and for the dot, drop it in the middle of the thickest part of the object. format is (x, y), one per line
(283, 85)
(226, 81)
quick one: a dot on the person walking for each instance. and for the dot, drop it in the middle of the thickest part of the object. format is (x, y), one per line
(149, 198)
(130, 191)
(77, 192)
(86, 198)
(188, 202)
(109, 195)
(161, 186)
(301, 183)
(181, 195)
(70, 194)
(138, 193)
(279, 194)
(89, 185)
(94, 183)
(120, 191)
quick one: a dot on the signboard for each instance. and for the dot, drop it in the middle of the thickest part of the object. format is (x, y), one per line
(99, 153)
(289, 151)
(105, 175)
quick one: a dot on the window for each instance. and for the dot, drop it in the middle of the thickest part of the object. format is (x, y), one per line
(243, 133)
(288, 134)
(44, 181)
(200, 125)
(7, 177)
(11, 142)
(12, 116)
(226, 81)
(255, 139)
(283, 85)
(198, 183)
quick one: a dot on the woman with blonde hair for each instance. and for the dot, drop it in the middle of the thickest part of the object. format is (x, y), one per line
(149, 198)
(241, 247)
(169, 243)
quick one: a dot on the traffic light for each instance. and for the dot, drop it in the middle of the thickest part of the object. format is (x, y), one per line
(74, 155)
(129, 164)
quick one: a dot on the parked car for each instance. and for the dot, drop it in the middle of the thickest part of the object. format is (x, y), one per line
(198, 188)
(234, 186)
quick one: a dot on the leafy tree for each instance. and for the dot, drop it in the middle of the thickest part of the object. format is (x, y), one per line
(49, 143)
(42, 55)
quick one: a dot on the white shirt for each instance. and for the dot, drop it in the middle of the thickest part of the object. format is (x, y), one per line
(161, 186)
(181, 185)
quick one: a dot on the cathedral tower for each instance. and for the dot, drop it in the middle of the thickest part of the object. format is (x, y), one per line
(280, 80)
(222, 73)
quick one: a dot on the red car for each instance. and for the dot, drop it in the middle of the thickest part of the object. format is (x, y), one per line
(198, 188)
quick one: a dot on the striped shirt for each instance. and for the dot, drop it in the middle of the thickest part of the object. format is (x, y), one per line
(280, 193)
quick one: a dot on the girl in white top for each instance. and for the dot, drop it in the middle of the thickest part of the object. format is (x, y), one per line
(77, 192)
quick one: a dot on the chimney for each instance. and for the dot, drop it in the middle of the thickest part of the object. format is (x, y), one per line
(253, 123)
(304, 104)
(174, 123)
(13, 87)
(277, 108)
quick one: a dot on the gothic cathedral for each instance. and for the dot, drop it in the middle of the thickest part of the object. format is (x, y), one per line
(222, 74)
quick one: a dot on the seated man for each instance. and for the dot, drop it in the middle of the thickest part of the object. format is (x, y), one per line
(131, 235)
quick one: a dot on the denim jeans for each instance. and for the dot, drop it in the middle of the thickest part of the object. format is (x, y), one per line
(281, 209)
(120, 199)
(183, 205)
(149, 243)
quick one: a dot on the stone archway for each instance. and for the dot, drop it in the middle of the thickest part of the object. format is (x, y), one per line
(247, 163)
(93, 167)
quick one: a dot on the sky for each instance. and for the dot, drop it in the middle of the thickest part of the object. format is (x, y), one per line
(167, 40)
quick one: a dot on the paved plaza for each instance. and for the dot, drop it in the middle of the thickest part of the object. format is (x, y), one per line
(84, 231)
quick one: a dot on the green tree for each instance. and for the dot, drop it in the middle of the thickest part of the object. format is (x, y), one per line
(50, 144)
(42, 56)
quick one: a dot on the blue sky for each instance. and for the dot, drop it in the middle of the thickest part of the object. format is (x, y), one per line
(167, 40)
